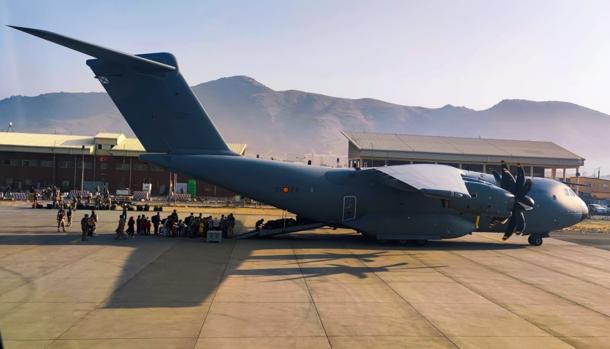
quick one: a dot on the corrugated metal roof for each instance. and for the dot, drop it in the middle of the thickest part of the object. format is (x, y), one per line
(458, 145)
(47, 143)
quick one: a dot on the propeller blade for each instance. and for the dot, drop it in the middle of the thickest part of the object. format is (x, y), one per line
(520, 180)
(510, 228)
(497, 176)
(519, 187)
(526, 202)
(519, 220)
(504, 166)
(527, 186)
(508, 181)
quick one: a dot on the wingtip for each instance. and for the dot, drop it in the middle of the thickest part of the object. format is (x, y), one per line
(23, 29)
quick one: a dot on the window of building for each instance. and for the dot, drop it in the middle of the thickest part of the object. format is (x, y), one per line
(88, 164)
(103, 166)
(46, 163)
(156, 168)
(398, 162)
(29, 163)
(473, 167)
(141, 167)
(377, 163)
(122, 167)
(27, 181)
(450, 164)
(99, 146)
(66, 164)
(65, 183)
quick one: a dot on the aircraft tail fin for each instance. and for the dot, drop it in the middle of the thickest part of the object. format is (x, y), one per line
(152, 95)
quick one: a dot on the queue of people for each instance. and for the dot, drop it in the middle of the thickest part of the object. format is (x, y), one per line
(195, 226)
(172, 226)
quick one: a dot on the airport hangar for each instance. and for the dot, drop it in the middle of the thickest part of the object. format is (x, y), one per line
(540, 159)
(38, 160)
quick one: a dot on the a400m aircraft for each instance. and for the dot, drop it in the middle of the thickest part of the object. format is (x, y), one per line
(406, 202)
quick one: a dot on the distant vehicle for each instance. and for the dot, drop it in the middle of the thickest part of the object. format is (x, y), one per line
(406, 202)
(597, 209)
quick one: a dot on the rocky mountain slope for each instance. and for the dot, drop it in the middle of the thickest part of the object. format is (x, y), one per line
(281, 123)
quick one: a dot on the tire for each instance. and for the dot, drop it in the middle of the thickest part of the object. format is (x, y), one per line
(535, 240)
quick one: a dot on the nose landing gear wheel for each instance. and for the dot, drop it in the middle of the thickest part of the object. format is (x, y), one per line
(535, 240)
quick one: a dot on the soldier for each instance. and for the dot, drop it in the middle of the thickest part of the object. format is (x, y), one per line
(61, 220)
(69, 215)
(84, 225)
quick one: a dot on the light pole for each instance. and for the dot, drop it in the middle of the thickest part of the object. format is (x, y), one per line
(82, 173)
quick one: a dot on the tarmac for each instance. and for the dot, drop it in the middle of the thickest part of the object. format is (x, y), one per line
(321, 289)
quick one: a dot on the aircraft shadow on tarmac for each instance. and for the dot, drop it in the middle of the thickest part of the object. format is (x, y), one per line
(187, 273)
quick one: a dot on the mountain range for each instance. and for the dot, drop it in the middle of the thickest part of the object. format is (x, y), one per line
(285, 123)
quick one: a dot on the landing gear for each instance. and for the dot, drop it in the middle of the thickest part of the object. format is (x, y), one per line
(535, 240)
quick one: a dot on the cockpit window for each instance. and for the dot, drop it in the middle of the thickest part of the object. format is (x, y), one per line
(569, 192)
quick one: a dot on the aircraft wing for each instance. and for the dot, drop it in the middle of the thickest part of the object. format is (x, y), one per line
(432, 180)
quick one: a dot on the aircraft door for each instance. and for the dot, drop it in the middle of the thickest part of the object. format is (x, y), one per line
(349, 207)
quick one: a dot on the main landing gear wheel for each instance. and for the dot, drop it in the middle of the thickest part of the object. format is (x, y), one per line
(535, 240)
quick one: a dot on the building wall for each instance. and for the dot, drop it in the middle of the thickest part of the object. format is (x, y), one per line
(23, 170)
(596, 188)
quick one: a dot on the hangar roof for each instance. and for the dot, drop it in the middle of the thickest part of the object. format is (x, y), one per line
(72, 144)
(461, 148)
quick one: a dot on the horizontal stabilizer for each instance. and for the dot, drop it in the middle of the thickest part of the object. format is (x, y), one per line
(98, 51)
(430, 179)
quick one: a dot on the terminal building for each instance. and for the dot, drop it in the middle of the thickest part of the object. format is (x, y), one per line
(109, 160)
(540, 159)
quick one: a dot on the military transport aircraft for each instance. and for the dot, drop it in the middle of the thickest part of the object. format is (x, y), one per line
(406, 202)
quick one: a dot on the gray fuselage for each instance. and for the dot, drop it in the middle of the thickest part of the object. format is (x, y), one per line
(357, 199)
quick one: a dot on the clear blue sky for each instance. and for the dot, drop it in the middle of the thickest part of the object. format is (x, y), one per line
(428, 53)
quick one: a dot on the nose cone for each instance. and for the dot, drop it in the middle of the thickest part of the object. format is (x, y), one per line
(584, 211)
(575, 210)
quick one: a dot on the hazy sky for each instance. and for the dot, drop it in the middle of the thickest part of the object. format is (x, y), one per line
(428, 53)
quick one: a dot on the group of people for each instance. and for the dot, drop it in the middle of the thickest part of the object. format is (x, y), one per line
(88, 223)
(192, 226)
(64, 219)
(99, 199)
